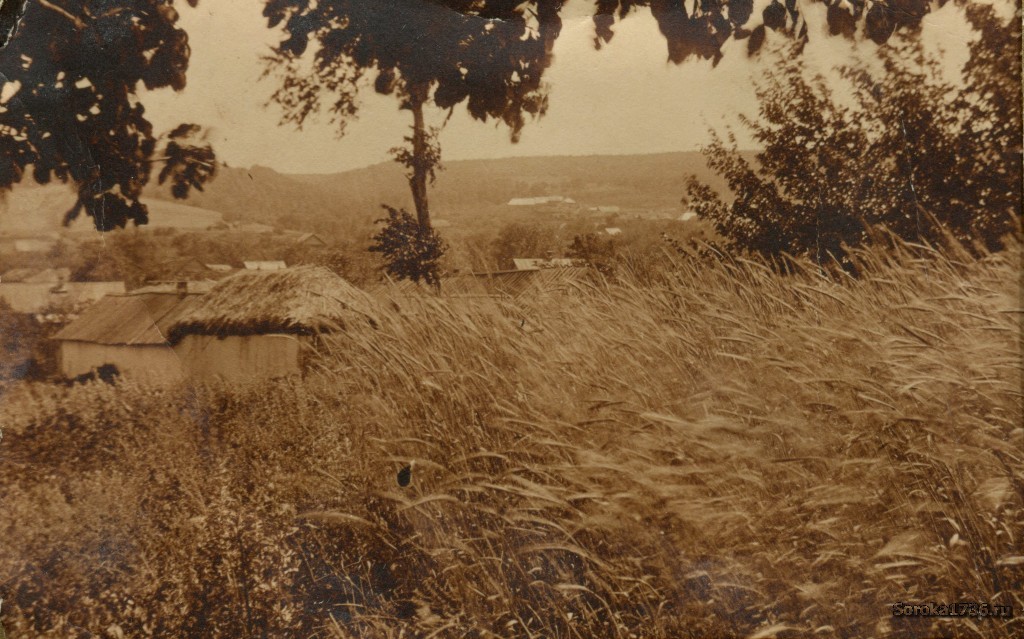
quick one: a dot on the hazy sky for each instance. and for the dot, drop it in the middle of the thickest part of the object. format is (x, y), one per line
(625, 98)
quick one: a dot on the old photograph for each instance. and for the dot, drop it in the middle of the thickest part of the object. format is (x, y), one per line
(511, 319)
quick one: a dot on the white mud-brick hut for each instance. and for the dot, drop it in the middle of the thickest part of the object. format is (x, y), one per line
(261, 324)
(128, 331)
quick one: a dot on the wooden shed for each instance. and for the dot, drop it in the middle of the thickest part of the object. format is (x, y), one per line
(128, 331)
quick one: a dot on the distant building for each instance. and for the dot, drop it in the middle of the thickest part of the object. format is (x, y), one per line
(273, 265)
(220, 268)
(536, 201)
(305, 239)
(27, 244)
(311, 239)
(613, 230)
(176, 286)
(530, 263)
(606, 209)
(128, 331)
(34, 291)
(183, 269)
(252, 325)
(36, 276)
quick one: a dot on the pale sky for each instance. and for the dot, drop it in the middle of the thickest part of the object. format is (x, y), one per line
(625, 98)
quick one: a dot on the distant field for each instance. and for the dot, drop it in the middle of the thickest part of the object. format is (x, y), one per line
(163, 214)
(31, 208)
(719, 451)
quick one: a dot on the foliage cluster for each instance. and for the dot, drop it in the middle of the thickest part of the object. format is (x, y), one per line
(912, 151)
(25, 352)
(71, 76)
(410, 250)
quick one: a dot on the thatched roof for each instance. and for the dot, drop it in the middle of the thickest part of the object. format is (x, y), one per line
(300, 300)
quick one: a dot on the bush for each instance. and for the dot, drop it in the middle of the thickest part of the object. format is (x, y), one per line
(913, 153)
(410, 251)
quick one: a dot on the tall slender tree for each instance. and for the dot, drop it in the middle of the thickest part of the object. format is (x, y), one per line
(69, 105)
(487, 54)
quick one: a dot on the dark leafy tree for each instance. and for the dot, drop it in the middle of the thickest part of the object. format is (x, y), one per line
(487, 54)
(699, 29)
(410, 251)
(521, 240)
(69, 108)
(991, 104)
(911, 153)
(596, 251)
(10, 12)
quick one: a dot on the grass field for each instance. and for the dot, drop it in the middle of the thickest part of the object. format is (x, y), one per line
(716, 451)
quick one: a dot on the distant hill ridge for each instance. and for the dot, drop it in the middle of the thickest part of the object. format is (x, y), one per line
(346, 203)
(339, 202)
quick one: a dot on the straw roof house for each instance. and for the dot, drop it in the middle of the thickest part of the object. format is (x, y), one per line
(260, 324)
(297, 301)
(251, 325)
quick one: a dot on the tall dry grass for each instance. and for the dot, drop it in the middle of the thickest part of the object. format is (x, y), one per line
(718, 451)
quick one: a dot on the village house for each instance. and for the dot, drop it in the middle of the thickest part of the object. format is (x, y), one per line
(128, 331)
(311, 240)
(265, 265)
(40, 243)
(537, 201)
(36, 291)
(251, 325)
(259, 324)
(531, 263)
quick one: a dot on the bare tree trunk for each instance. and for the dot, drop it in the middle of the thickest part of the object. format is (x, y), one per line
(421, 163)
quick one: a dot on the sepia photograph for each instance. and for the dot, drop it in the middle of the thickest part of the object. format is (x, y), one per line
(511, 319)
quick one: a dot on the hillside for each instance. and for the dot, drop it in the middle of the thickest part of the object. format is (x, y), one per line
(341, 203)
(32, 209)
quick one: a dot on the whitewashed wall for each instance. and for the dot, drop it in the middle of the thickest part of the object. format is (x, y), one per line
(233, 358)
(151, 363)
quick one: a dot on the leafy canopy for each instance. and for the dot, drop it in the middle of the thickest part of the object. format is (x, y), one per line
(701, 28)
(488, 54)
(69, 107)
(911, 152)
